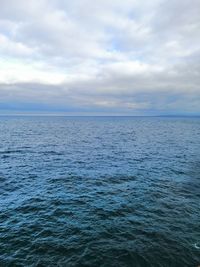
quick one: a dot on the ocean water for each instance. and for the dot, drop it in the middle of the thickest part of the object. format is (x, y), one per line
(99, 191)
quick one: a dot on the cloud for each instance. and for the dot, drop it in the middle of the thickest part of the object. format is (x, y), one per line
(127, 57)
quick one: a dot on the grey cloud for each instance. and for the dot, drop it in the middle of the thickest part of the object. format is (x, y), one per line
(112, 55)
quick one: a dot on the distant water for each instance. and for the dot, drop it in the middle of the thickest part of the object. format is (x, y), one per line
(106, 191)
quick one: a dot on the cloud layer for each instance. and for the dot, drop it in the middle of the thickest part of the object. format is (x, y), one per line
(106, 57)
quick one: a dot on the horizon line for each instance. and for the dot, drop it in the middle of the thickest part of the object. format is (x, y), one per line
(108, 115)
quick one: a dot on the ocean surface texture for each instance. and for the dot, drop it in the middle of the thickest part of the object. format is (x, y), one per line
(104, 191)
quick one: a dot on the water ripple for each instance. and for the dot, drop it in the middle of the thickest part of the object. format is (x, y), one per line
(99, 192)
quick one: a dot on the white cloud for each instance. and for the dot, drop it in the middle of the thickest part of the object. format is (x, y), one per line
(117, 55)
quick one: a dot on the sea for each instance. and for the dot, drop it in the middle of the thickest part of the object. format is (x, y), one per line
(99, 191)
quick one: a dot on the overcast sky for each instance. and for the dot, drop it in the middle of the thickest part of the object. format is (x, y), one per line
(131, 57)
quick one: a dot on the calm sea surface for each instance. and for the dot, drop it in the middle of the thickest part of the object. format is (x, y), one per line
(99, 191)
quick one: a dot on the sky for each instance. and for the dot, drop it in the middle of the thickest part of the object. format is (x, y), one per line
(102, 57)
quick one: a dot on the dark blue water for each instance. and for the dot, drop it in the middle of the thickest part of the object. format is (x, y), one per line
(109, 191)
